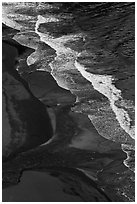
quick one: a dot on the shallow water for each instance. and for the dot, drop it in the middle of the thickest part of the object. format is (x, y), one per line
(38, 187)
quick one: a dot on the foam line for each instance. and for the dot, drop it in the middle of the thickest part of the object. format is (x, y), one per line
(104, 85)
(127, 149)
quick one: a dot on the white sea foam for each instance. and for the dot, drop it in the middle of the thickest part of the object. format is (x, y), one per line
(55, 43)
(104, 84)
(58, 45)
(9, 22)
(127, 149)
(31, 59)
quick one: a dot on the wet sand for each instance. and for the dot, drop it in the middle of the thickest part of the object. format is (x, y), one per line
(38, 187)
